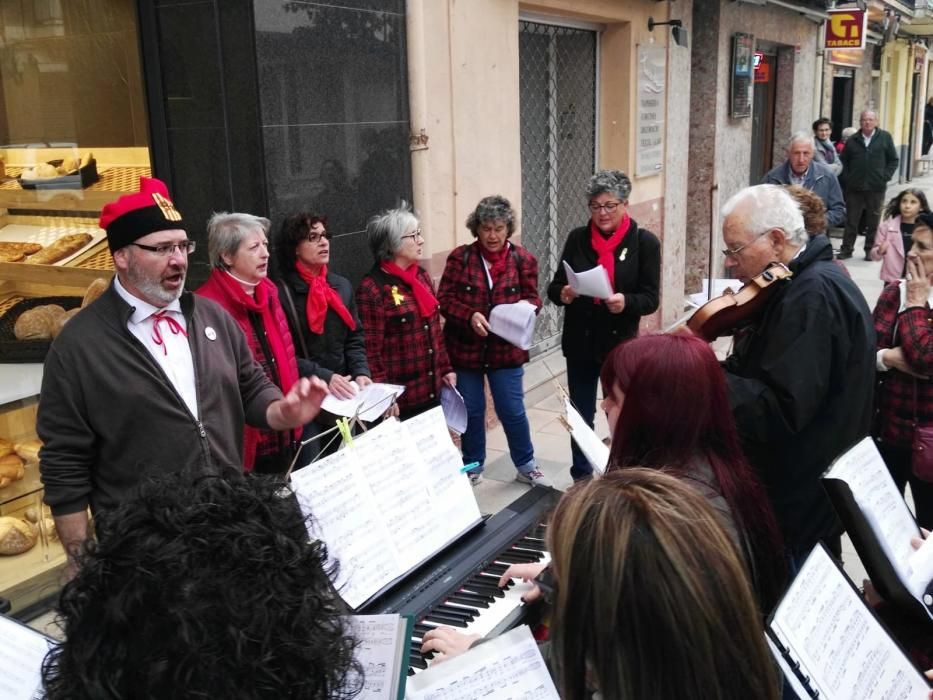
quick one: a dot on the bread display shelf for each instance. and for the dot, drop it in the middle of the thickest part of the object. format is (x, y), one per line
(29, 485)
(114, 181)
(33, 576)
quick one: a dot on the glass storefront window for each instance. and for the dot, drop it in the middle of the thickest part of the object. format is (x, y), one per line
(73, 127)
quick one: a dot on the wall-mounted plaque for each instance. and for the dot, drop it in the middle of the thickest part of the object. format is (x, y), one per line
(649, 122)
(740, 93)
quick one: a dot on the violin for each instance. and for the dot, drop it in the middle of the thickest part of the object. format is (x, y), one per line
(723, 315)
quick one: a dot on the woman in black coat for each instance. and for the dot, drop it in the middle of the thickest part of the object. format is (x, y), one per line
(321, 312)
(593, 327)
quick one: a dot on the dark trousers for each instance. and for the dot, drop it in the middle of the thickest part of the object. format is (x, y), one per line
(898, 461)
(858, 204)
(582, 380)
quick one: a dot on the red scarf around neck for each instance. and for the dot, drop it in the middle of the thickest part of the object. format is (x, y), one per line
(424, 297)
(497, 261)
(227, 292)
(606, 247)
(321, 296)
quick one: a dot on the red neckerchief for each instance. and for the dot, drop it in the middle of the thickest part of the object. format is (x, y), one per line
(173, 325)
(606, 247)
(424, 297)
(321, 296)
(496, 261)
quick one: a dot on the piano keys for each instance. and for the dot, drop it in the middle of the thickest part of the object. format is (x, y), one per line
(459, 587)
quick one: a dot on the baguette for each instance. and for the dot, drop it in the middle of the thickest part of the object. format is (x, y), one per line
(19, 247)
(94, 290)
(60, 249)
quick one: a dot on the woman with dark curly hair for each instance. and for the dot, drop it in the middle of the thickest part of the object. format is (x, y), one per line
(202, 586)
(479, 276)
(322, 317)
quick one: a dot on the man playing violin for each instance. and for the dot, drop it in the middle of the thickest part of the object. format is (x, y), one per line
(801, 379)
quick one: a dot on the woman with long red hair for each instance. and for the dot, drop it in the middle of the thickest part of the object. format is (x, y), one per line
(668, 408)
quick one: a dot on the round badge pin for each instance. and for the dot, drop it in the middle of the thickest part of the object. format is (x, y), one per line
(210, 333)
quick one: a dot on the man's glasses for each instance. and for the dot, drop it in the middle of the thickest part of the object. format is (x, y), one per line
(734, 252)
(609, 207)
(414, 234)
(316, 237)
(163, 250)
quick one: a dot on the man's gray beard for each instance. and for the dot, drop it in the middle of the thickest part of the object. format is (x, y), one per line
(154, 290)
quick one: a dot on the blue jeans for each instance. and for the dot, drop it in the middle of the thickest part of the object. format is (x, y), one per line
(508, 397)
(582, 380)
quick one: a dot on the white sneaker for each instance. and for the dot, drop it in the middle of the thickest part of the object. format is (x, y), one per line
(534, 477)
(475, 478)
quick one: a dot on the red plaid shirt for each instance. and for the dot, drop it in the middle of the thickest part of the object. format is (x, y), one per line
(895, 405)
(464, 290)
(402, 347)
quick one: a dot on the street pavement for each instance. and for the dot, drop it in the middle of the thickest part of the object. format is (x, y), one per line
(552, 442)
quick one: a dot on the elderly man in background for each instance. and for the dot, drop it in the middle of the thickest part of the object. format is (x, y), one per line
(869, 160)
(801, 169)
(149, 378)
(800, 380)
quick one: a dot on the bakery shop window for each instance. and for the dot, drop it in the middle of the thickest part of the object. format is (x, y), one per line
(73, 123)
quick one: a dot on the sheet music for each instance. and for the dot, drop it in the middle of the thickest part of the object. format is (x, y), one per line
(590, 283)
(379, 507)
(342, 507)
(514, 322)
(370, 403)
(595, 450)
(836, 640)
(379, 637)
(863, 469)
(22, 651)
(453, 494)
(397, 476)
(454, 409)
(921, 563)
(508, 667)
(719, 288)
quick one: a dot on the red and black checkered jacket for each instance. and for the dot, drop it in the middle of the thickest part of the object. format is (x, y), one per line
(894, 400)
(402, 347)
(464, 290)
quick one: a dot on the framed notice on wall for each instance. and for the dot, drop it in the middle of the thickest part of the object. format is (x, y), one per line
(740, 93)
(652, 69)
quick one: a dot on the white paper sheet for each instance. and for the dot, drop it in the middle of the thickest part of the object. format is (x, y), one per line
(719, 288)
(453, 494)
(454, 409)
(378, 653)
(22, 651)
(369, 404)
(921, 564)
(591, 283)
(514, 323)
(509, 667)
(863, 469)
(380, 508)
(595, 450)
(838, 643)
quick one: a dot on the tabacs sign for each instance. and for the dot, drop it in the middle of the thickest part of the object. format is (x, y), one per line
(845, 29)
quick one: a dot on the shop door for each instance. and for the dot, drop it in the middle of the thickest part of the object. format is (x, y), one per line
(763, 117)
(841, 114)
(557, 82)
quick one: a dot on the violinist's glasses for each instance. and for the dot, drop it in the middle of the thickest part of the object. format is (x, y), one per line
(734, 252)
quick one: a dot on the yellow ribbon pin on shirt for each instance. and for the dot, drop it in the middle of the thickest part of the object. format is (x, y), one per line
(396, 297)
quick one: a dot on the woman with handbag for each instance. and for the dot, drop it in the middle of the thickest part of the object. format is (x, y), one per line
(904, 400)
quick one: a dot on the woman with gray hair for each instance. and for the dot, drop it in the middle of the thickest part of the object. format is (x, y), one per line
(479, 276)
(238, 247)
(631, 257)
(401, 323)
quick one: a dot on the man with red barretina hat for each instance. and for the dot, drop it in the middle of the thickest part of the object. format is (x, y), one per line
(149, 378)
